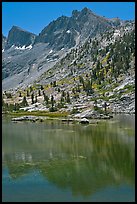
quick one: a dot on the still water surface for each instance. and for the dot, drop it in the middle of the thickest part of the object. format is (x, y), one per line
(65, 162)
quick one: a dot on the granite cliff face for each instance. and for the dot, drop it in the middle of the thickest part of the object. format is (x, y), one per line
(19, 37)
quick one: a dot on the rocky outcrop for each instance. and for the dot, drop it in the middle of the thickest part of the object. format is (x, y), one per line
(91, 114)
(126, 104)
(84, 121)
(19, 37)
(25, 118)
(4, 40)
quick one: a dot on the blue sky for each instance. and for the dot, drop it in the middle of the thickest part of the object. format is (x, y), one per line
(34, 16)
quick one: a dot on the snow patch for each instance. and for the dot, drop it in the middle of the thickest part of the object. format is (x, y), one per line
(62, 48)
(20, 48)
(3, 50)
(68, 31)
(29, 47)
(50, 51)
(23, 48)
(117, 33)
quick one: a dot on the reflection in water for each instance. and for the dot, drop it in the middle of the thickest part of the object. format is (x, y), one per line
(83, 160)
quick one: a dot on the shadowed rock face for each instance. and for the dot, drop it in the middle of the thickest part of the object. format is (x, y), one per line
(19, 37)
(3, 41)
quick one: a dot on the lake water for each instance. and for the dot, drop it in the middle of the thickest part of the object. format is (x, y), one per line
(43, 162)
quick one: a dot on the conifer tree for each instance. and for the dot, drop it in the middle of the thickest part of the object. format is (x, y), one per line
(32, 98)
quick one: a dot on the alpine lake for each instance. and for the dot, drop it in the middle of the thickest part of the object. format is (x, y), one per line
(52, 161)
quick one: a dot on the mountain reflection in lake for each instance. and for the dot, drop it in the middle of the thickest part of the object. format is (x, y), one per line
(65, 162)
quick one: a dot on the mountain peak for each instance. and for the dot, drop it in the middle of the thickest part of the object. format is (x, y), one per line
(75, 13)
(19, 37)
(86, 11)
(20, 29)
(16, 27)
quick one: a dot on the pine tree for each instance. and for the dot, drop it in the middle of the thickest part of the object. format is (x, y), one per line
(46, 98)
(31, 89)
(63, 93)
(105, 106)
(52, 101)
(68, 98)
(36, 99)
(27, 93)
(73, 90)
(24, 101)
(98, 65)
(62, 99)
(54, 84)
(32, 98)
(39, 92)
(52, 104)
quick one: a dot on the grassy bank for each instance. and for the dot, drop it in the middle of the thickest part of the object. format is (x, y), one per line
(39, 113)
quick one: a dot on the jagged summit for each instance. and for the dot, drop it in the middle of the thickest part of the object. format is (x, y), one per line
(68, 31)
(86, 10)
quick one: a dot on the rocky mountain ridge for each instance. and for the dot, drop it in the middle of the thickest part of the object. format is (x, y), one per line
(24, 50)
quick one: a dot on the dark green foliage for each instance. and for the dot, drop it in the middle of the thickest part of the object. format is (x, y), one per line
(36, 100)
(8, 95)
(39, 92)
(88, 87)
(46, 98)
(60, 105)
(105, 106)
(78, 88)
(95, 105)
(17, 107)
(98, 65)
(76, 95)
(52, 101)
(74, 111)
(28, 93)
(73, 90)
(31, 89)
(68, 98)
(62, 99)
(63, 93)
(54, 84)
(24, 102)
(32, 98)
(52, 108)
(11, 107)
